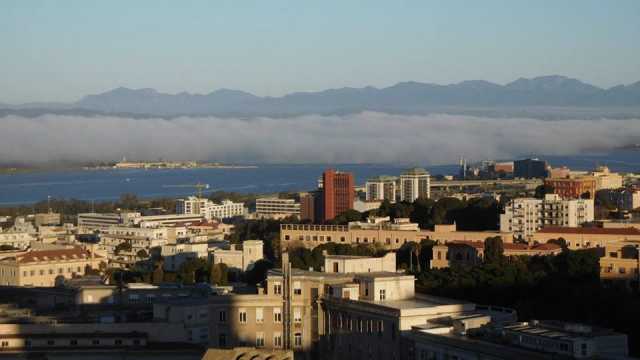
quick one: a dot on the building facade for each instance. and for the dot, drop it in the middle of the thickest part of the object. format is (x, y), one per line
(525, 216)
(414, 183)
(276, 207)
(573, 187)
(530, 168)
(240, 257)
(44, 267)
(381, 188)
(337, 193)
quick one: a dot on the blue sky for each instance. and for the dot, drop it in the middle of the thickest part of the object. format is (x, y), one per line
(61, 50)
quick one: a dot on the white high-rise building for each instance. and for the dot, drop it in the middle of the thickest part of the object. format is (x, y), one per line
(525, 216)
(414, 183)
(381, 188)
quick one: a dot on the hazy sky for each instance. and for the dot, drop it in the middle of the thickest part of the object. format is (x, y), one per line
(61, 50)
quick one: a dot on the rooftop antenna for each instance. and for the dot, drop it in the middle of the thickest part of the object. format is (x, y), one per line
(49, 203)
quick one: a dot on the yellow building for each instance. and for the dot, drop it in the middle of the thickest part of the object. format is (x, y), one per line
(43, 267)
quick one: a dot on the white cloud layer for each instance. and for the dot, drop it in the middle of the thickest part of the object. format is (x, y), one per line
(359, 138)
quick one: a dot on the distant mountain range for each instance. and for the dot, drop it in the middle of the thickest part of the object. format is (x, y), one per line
(521, 96)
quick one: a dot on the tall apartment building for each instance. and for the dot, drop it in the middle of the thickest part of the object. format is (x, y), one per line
(573, 187)
(414, 183)
(197, 206)
(525, 216)
(529, 168)
(381, 188)
(337, 193)
(625, 198)
(276, 207)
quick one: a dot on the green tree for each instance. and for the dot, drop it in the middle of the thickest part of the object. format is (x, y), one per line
(258, 272)
(219, 274)
(542, 190)
(493, 250)
(142, 254)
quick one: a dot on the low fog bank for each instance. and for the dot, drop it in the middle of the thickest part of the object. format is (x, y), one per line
(359, 138)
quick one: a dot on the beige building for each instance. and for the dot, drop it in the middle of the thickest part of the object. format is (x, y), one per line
(620, 262)
(605, 179)
(247, 353)
(18, 240)
(240, 257)
(586, 237)
(359, 264)
(43, 267)
(386, 235)
(470, 253)
(473, 337)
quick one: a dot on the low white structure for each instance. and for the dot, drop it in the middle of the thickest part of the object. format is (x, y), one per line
(239, 257)
(359, 264)
(18, 240)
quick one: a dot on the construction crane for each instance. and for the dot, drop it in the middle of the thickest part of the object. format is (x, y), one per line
(198, 186)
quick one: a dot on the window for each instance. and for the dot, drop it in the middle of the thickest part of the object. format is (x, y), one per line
(118, 342)
(243, 316)
(366, 290)
(32, 272)
(277, 315)
(5, 344)
(27, 343)
(41, 272)
(222, 340)
(51, 342)
(380, 327)
(277, 340)
(50, 271)
(73, 342)
(297, 288)
(383, 294)
(259, 315)
(24, 273)
(60, 270)
(297, 315)
(277, 289)
(222, 316)
(259, 339)
(95, 342)
(297, 339)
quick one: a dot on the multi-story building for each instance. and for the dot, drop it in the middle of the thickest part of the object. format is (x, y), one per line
(624, 198)
(43, 267)
(337, 193)
(359, 264)
(277, 208)
(311, 206)
(474, 337)
(17, 240)
(388, 235)
(174, 255)
(605, 179)
(586, 237)
(573, 187)
(620, 261)
(525, 216)
(381, 188)
(208, 209)
(470, 253)
(240, 257)
(48, 219)
(331, 315)
(414, 183)
(529, 168)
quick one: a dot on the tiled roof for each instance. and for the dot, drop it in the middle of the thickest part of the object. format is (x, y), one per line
(54, 255)
(590, 231)
(507, 246)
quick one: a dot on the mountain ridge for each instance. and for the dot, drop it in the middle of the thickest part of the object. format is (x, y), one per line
(402, 97)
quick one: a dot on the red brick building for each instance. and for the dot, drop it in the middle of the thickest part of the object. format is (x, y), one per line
(573, 188)
(337, 193)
